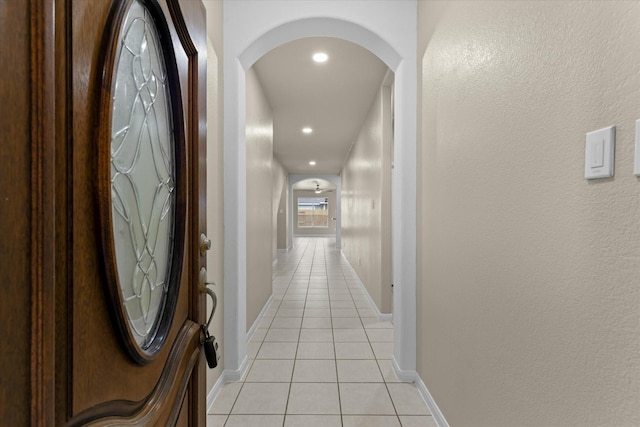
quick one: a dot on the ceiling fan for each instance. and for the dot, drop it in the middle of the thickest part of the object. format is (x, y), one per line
(320, 191)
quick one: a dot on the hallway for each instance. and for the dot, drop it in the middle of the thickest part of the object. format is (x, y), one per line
(320, 356)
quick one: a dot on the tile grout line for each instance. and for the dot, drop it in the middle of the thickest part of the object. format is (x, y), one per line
(335, 356)
(314, 255)
(286, 407)
(373, 352)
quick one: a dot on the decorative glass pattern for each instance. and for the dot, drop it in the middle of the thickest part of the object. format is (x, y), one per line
(142, 174)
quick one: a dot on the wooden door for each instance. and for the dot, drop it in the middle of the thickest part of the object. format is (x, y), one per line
(128, 337)
(27, 194)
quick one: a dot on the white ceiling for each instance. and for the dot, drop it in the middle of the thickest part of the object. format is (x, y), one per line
(333, 98)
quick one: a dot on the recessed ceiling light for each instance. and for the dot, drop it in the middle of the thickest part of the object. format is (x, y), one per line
(307, 130)
(312, 163)
(320, 57)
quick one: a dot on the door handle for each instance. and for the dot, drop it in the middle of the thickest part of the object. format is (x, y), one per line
(205, 243)
(203, 286)
(211, 348)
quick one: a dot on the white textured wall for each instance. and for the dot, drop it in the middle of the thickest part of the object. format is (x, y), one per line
(529, 291)
(279, 203)
(215, 229)
(366, 198)
(259, 137)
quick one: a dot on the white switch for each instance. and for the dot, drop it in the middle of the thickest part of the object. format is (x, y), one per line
(636, 163)
(599, 153)
(597, 157)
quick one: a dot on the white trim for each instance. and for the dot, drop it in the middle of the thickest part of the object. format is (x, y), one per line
(215, 391)
(232, 375)
(280, 253)
(335, 180)
(235, 216)
(437, 415)
(412, 376)
(404, 376)
(236, 375)
(383, 317)
(227, 376)
(266, 307)
(388, 29)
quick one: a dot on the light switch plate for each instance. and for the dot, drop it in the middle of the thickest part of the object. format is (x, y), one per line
(636, 162)
(599, 153)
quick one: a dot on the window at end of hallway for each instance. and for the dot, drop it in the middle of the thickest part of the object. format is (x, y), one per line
(313, 212)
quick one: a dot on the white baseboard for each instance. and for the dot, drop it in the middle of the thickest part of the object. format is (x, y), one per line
(383, 317)
(280, 253)
(237, 375)
(412, 376)
(226, 376)
(259, 318)
(215, 390)
(404, 376)
(438, 417)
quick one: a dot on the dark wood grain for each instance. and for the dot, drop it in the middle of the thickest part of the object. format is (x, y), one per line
(101, 370)
(15, 204)
(64, 186)
(26, 211)
(42, 212)
(159, 408)
(190, 23)
(60, 356)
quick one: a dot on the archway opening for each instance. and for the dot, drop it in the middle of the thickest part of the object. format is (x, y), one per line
(238, 60)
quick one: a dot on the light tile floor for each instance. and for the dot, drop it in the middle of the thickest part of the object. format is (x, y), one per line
(319, 357)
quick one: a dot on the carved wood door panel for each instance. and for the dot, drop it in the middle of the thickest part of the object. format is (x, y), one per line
(131, 144)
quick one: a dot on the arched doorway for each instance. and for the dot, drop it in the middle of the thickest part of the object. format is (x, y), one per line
(332, 179)
(393, 41)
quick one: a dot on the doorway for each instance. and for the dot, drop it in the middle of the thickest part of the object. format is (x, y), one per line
(393, 42)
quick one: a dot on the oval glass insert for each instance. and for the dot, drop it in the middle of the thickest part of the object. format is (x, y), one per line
(143, 174)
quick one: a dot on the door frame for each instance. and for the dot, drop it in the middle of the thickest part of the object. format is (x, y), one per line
(246, 39)
(291, 203)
